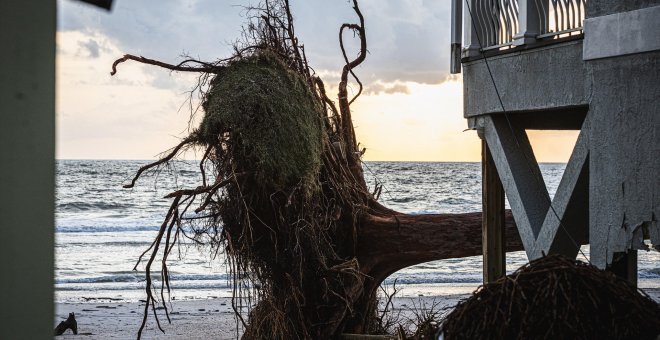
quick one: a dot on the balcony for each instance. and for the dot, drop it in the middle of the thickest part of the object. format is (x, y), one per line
(501, 26)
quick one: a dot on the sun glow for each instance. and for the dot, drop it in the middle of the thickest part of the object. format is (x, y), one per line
(424, 123)
(141, 112)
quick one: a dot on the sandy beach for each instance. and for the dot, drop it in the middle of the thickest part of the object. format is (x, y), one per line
(197, 319)
(191, 319)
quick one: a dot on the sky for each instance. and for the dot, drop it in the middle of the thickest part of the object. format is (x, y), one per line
(411, 110)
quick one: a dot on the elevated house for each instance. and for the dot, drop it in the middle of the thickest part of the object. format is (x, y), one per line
(587, 65)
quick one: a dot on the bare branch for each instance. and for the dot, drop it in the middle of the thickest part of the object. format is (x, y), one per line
(356, 29)
(163, 160)
(150, 299)
(206, 67)
(344, 103)
(321, 89)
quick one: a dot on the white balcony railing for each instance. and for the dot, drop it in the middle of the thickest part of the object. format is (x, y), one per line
(482, 25)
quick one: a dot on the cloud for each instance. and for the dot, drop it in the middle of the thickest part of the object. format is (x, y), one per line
(407, 40)
(92, 47)
(162, 30)
(129, 115)
(377, 88)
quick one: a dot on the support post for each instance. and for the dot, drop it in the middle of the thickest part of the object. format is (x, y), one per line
(624, 265)
(471, 32)
(521, 176)
(27, 168)
(456, 36)
(494, 255)
(530, 19)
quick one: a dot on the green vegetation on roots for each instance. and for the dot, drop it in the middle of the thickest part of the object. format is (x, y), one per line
(273, 120)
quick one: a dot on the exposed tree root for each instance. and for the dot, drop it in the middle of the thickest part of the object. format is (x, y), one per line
(555, 297)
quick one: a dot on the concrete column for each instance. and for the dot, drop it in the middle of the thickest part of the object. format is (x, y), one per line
(529, 21)
(27, 168)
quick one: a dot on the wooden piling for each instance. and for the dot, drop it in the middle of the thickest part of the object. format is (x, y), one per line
(624, 265)
(494, 264)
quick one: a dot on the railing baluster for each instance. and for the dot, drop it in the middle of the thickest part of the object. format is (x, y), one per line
(502, 23)
(541, 10)
(492, 21)
(483, 21)
(470, 31)
(580, 19)
(508, 19)
(456, 36)
(515, 11)
(571, 14)
(508, 23)
(497, 25)
(481, 32)
(562, 16)
(513, 15)
(556, 13)
(486, 38)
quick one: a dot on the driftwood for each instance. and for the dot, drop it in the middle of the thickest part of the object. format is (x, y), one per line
(69, 323)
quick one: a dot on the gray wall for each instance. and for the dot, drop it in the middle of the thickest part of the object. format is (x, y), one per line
(27, 153)
(618, 34)
(625, 153)
(597, 8)
(536, 79)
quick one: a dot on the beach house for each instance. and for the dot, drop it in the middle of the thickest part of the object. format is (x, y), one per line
(587, 65)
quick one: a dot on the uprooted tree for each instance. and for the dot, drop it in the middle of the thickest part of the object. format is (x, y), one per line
(282, 191)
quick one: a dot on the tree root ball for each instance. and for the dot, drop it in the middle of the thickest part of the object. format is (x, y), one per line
(555, 298)
(273, 118)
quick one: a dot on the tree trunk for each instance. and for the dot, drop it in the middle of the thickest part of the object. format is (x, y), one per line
(392, 241)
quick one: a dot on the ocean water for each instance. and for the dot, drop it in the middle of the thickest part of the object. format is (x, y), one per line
(101, 229)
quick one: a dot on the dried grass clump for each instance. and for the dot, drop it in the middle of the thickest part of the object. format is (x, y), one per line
(274, 119)
(555, 298)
